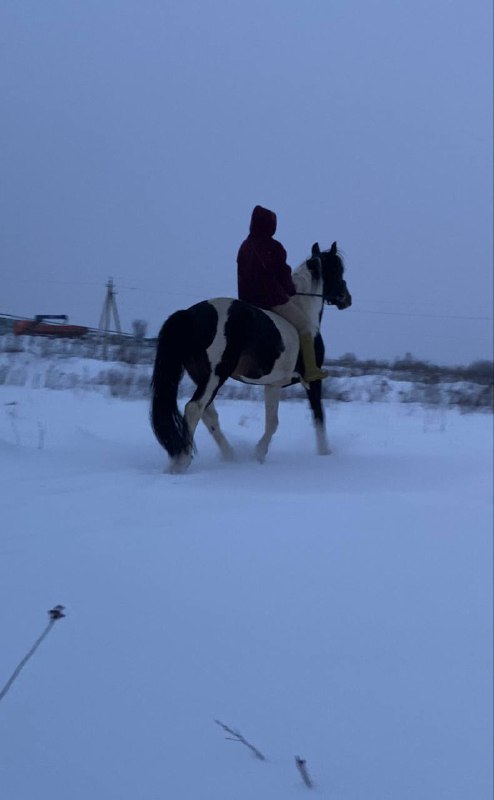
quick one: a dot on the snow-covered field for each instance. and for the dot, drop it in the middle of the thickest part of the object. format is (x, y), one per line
(338, 608)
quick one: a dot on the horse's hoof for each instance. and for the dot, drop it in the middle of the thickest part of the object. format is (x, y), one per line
(228, 454)
(180, 464)
(261, 454)
(325, 451)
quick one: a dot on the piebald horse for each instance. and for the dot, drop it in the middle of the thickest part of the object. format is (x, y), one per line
(224, 338)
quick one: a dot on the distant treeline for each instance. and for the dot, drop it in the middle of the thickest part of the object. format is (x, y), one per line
(411, 368)
(121, 365)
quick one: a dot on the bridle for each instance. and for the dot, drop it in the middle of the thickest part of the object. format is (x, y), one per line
(313, 294)
(316, 294)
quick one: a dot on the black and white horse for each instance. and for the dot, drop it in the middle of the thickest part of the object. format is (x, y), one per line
(224, 338)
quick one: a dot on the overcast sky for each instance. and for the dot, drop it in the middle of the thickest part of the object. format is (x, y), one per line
(137, 135)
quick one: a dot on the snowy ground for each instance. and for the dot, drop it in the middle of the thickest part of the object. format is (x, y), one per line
(338, 608)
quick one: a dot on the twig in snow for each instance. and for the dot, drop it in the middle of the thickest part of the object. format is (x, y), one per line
(235, 736)
(41, 435)
(302, 768)
(11, 410)
(54, 614)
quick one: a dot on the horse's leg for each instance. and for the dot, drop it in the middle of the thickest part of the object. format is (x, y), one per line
(314, 394)
(194, 410)
(271, 403)
(212, 423)
(210, 371)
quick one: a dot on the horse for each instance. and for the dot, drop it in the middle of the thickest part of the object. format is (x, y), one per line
(223, 338)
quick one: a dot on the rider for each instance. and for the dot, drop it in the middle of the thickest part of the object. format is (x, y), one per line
(265, 280)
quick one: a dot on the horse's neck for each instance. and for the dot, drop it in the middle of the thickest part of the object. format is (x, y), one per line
(308, 286)
(303, 280)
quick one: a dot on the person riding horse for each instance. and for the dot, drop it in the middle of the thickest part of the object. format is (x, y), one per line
(223, 338)
(265, 281)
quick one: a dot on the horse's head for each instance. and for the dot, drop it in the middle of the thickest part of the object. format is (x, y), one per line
(327, 266)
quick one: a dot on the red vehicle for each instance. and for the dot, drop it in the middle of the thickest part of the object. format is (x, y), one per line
(38, 326)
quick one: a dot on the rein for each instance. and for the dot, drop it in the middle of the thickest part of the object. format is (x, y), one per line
(314, 294)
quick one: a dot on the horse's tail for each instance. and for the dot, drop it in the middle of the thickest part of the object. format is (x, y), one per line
(169, 425)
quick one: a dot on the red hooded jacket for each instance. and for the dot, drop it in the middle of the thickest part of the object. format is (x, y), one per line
(264, 277)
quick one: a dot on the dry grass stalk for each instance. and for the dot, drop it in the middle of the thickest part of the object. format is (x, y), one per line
(302, 768)
(235, 736)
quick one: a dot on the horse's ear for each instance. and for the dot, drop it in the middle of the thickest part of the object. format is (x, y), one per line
(333, 249)
(315, 250)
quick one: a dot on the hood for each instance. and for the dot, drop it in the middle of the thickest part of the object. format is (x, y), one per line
(263, 222)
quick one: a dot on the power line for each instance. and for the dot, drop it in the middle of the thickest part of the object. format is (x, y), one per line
(419, 314)
(352, 311)
(199, 294)
(416, 314)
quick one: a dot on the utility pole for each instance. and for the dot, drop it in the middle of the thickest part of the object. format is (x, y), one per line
(109, 309)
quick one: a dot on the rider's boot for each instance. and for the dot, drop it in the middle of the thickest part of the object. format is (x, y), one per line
(311, 371)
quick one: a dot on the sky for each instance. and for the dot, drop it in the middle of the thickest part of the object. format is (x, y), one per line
(136, 138)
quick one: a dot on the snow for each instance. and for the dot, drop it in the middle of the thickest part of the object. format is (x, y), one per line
(338, 608)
